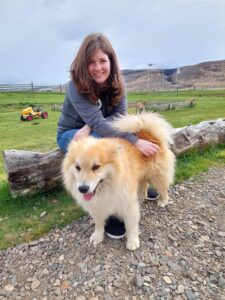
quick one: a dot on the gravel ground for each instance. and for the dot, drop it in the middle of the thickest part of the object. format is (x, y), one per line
(182, 254)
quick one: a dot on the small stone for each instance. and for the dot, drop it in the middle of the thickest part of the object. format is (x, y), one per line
(117, 283)
(57, 282)
(216, 243)
(35, 284)
(213, 279)
(45, 272)
(64, 285)
(180, 289)
(201, 223)
(218, 253)
(99, 290)
(61, 257)
(221, 282)
(138, 281)
(190, 295)
(147, 278)
(97, 268)
(141, 265)
(57, 291)
(195, 227)
(9, 287)
(33, 243)
(204, 238)
(191, 275)
(221, 233)
(167, 279)
(161, 293)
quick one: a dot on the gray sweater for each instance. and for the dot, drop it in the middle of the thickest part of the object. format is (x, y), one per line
(78, 110)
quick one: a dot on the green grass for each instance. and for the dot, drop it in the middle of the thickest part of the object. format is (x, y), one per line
(207, 107)
(195, 162)
(20, 218)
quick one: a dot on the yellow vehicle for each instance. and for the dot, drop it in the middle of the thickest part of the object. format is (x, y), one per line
(30, 113)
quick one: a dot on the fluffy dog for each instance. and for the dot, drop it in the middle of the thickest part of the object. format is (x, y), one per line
(108, 176)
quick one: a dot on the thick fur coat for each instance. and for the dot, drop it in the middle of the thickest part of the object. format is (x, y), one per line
(109, 176)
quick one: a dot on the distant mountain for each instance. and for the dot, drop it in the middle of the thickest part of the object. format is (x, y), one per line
(207, 74)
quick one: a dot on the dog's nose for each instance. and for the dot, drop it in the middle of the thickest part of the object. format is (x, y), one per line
(83, 189)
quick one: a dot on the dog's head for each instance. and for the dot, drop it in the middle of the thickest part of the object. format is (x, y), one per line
(89, 165)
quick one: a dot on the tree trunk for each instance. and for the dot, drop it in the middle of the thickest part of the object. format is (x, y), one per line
(198, 136)
(29, 172)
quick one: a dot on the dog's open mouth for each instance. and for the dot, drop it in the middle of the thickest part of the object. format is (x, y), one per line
(89, 196)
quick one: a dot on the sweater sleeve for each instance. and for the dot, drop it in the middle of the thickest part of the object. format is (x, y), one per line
(92, 115)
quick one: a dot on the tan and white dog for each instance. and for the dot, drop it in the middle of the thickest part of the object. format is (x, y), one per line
(108, 176)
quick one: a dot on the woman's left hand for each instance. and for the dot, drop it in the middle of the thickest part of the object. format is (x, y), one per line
(146, 147)
(83, 132)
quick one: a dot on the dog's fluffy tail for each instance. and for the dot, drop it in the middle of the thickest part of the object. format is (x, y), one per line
(155, 124)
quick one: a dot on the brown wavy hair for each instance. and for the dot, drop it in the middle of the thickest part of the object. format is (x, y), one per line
(81, 77)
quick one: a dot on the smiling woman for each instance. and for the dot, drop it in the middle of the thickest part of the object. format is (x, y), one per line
(95, 96)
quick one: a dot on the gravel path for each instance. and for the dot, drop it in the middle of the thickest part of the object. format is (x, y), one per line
(182, 254)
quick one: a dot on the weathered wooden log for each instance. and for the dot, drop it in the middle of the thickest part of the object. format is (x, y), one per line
(198, 136)
(143, 105)
(29, 172)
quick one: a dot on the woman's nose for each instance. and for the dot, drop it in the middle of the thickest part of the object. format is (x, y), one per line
(97, 66)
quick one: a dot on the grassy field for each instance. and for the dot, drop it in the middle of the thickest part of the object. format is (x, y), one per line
(26, 218)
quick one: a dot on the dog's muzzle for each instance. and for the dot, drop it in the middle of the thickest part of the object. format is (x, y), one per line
(84, 190)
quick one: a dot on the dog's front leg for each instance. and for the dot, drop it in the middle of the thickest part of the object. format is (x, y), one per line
(131, 223)
(142, 190)
(98, 235)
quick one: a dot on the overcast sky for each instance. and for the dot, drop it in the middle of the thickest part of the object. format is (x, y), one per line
(39, 38)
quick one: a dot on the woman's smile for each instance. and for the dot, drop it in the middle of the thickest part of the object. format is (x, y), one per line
(99, 67)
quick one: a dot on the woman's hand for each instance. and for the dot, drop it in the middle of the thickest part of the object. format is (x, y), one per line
(147, 148)
(83, 132)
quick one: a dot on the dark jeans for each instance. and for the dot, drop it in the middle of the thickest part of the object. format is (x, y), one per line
(64, 138)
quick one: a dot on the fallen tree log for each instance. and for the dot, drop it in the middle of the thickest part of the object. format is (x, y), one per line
(29, 172)
(198, 136)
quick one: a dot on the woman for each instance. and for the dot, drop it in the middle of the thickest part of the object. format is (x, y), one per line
(96, 95)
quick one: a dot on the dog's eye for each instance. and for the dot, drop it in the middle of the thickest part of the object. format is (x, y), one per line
(77, 167)
(95, 167)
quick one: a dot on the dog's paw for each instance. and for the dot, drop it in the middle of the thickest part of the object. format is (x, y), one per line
(96, 238)
(133, 244)
(162, 203)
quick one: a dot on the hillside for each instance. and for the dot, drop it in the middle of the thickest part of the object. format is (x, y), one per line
(203, 75)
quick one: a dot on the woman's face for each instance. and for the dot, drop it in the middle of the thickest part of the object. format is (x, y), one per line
(99, 67)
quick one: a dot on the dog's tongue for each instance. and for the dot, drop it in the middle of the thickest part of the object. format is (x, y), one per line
(88, 196)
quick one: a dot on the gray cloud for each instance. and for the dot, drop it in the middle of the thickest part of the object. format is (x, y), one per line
(40, 38)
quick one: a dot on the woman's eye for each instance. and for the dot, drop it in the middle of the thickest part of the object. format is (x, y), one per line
(95, 167)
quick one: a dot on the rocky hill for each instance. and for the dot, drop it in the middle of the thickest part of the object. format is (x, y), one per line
(203, 75)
